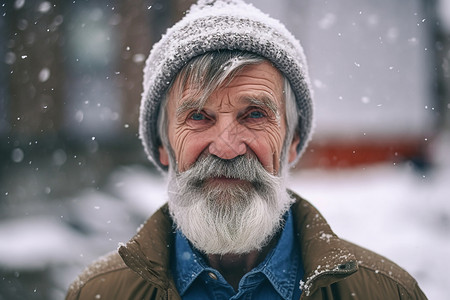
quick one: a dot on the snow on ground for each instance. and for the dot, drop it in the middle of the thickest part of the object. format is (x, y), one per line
(394, 210)
(26, 243)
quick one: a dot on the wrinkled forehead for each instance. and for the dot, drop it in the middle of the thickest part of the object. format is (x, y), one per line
(205, 73)
(257, 81)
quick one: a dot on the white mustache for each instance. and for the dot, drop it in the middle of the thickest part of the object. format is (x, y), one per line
(242, 167)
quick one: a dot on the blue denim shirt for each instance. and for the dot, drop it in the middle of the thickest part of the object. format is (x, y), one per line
(277, 277)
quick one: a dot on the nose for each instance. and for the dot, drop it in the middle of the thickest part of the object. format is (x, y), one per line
(230, 140)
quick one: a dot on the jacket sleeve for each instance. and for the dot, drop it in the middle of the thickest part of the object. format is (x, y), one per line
(116, 284)
(106, 274)
(418, 294)
(74, 290)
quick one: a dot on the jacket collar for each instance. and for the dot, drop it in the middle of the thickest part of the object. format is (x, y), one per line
(325, 258)
(148, 252)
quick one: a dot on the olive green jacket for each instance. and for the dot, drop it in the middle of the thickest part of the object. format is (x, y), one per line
(334, 268)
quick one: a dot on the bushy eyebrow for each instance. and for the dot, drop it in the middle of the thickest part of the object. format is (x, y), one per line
(263, 101)
(187, 105)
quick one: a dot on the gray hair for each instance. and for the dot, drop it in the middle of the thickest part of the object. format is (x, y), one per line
(211, 70)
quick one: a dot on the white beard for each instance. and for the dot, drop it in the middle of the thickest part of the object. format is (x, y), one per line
(232, 217)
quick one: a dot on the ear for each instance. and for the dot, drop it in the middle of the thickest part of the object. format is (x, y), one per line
(292, 152)
(163, 156)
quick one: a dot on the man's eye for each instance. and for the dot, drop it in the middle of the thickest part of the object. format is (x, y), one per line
(197, 117)
(256, 114)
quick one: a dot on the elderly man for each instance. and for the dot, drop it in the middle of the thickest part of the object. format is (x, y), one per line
(226, 109)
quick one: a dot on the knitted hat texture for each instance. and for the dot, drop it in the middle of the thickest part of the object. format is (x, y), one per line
(211, 25)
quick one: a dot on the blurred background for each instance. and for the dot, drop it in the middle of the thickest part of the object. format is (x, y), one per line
(74, 180)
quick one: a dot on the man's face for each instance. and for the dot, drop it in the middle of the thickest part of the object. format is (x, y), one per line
(225, 191)
(244, 117)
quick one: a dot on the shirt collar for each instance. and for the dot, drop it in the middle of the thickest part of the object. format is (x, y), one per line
(280, 266)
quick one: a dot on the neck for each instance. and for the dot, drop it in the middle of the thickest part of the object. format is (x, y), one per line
(234, 266)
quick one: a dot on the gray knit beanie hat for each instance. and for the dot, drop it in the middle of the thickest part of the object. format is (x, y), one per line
(212, 25)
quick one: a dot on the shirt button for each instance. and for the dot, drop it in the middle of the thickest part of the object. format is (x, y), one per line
(212, 275)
